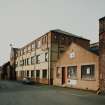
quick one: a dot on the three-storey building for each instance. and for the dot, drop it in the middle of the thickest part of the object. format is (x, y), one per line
(37, 59)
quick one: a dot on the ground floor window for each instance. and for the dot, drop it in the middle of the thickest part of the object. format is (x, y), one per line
(44, 73)
(87, 71)
(32, 73)
(37, 73)
(27, 73)
(72, 72)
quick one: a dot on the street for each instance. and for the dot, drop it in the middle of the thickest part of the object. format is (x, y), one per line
(15, 93)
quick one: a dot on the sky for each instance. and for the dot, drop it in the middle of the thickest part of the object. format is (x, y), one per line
(22, 21)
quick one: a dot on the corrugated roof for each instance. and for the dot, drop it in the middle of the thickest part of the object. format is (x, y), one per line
(67, 33)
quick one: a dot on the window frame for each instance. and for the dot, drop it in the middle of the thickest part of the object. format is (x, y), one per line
(89, 76)
(72, 72)
(37, 73)
(44, 75)
(32, 73)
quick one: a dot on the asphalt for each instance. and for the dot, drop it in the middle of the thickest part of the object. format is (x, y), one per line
(16, 93)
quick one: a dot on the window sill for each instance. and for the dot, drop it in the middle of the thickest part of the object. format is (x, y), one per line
(85, 79)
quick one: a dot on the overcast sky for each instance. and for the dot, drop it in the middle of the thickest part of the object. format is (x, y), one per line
(21, 21)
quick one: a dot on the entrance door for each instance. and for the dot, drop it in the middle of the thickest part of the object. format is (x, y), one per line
(63, 75)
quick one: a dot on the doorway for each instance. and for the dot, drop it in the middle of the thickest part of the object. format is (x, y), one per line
(63, 75)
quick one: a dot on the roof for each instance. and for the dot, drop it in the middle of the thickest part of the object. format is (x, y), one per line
(95, 48)
(96, 44)
(69, 34)
(58, 31)
(103, 18)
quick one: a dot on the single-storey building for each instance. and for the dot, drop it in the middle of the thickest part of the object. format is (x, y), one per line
(77, 68)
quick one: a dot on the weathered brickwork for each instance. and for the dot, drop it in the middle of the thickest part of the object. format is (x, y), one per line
(102, 52)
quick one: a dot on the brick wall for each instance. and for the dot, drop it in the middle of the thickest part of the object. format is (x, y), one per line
(102, 52)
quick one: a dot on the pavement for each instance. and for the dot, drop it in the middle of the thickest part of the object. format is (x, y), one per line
(16, 93)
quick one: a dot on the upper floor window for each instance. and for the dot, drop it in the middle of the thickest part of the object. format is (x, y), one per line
(38, 44)
(24, 50)
(28, 62)
(16, 64)
(33, 46)
(21, 62)
(54, 38)
(46, 56)
(21, 52)
(44, 39)
(88, 72)
(63, 40)
(37, 59)
(29, 48)
(102, 26)
(33, 60)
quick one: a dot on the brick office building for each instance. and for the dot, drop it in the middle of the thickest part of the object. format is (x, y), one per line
(37, 59)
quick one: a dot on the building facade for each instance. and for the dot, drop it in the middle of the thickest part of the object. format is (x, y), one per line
(63, 59)
(37, 59)
(77, 68)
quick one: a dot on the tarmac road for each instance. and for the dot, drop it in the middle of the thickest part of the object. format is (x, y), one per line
(15, 93)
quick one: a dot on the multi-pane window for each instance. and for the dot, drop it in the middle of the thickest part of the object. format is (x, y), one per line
(32, 73)
(29, 48)
(21, 62)
(44, 39)
(45, 73)
(27, 73)
(37, 73)
(55, 38)
(102, 26)
(24, 50)
(33, 60)
(33, 46)
(72, 72)
(27, 61)
(38, 44)
(87, 72)
(63, 40)
(46, 56)
(37, 59)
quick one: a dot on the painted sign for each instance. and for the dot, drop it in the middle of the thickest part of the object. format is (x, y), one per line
(72, 82)
(72, 55)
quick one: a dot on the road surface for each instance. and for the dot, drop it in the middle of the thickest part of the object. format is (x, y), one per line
(15, 93)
